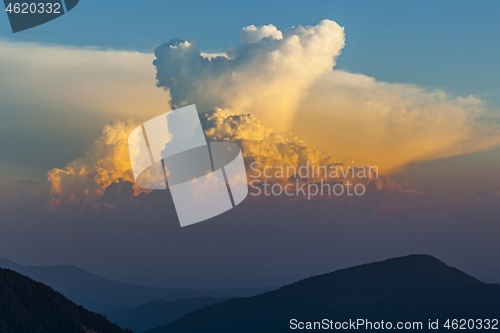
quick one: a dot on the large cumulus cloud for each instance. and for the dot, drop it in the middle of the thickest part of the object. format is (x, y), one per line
(278, 90)
(288, 80)
(107, 161)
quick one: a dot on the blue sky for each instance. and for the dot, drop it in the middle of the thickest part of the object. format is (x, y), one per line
(451, 45)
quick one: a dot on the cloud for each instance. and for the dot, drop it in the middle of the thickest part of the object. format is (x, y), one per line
(210, 56)
(389, 125)
(253, 34)
(284, 157)
(260, 143)
(107, 161)
(266, 75)
(55, 99)
(287, 79)
(90, 80)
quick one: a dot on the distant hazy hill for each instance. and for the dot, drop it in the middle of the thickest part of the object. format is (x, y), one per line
(27, 306)
(100, 295)
(158, 312)
(412, 288)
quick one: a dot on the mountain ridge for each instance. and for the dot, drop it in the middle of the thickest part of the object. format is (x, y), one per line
(415, 287)
(158, 312)
(100, 294)
(28, 306)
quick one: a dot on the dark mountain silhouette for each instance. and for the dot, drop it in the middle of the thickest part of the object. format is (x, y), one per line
(100, 294)
(27, 306)
(412, 288)
(158, 312)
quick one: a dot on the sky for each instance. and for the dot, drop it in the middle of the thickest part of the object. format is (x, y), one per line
(411, 89)
(449, 45)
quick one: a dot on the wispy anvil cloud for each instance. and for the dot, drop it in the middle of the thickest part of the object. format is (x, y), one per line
(76, 80)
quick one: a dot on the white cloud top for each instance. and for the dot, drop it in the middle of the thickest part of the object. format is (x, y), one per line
(252, 34)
